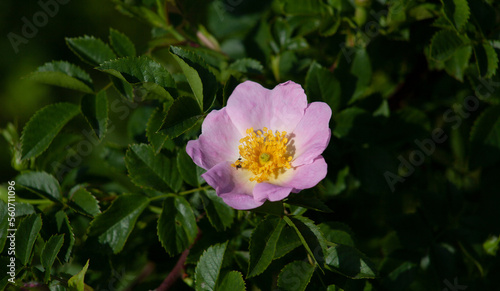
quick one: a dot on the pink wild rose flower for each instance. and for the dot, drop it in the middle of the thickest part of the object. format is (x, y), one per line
(263, 145)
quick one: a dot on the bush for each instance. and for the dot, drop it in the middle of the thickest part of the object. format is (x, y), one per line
(107, 197)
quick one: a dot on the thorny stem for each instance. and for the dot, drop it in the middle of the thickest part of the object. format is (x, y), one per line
(178, 268)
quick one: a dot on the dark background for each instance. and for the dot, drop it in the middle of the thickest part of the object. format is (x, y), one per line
(20, 99)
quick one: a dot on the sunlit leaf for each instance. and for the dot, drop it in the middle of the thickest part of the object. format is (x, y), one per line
(208, 268)
(77, 282)
(63, 74)
(201, 80)
(140, 69)
(232, 281)
(41, 183)
(457, 11)
(444, 43)
(44, 126)
(90, 49)
(121, 44)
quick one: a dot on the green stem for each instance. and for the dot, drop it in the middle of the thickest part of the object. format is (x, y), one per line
(180, 193)
(106, 87)
(34, 201)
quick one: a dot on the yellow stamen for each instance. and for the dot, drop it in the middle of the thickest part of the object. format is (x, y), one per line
(264, 153)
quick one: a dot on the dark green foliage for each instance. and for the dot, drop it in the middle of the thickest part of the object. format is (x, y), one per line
(107, 196)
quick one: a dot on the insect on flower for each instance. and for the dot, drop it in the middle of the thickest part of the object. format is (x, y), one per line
(277, 136)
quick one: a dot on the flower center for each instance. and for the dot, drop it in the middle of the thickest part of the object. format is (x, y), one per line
(264, 153)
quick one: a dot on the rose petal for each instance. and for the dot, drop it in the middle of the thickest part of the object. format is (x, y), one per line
(232, 185)
(266, 191)
(305, 176)
(251, 105)
(217, 143)
(288, 103)
(240, 201)
(312, 135)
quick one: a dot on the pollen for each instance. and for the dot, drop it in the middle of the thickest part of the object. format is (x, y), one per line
(264, 153)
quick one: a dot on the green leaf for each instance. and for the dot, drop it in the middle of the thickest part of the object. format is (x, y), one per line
(156, 139)
(63, 74)
(187, 168)
(95, 110)
(295, 276)
(83, 201)
(219, 214)
(350, 262)
(90, 49)
(485, 138)
(304, 7)
(201, 80)
(456, 65)
(50, 251)
(310, 236)
(232, 281)
(60, 224)
(41, 183)
(122, 45)
(263, 244)
(146, 169)
(444, 43)
(490, 246)
(140, 69)
(307, 200)
(321, 85)
(44, 126)
(362, 69)
(57, 286)
(152, 91)
(457, 12)
(229, 87)
(287, 242)
(113, 226)
(181, 116)
(23, 209)
(247, 66)
(137, 123)
(208, 268)
(337, 232)
(347, 120)
(123, 87)
(26, 234)
(177, 228)
(144, 13)
(77, 282)
(486, 59)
